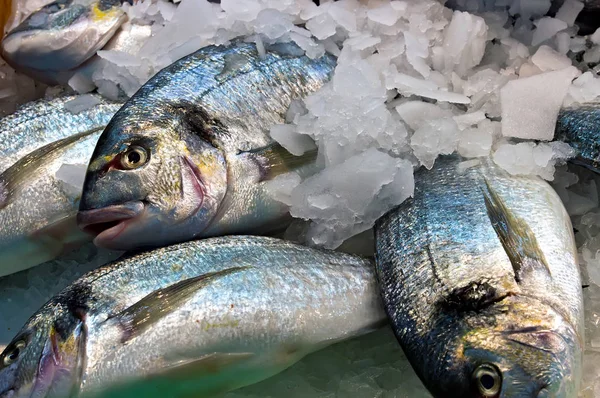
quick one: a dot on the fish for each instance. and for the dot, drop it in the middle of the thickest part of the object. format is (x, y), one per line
(61, 36)
(40, 192)
(41, 122)
(189, 154)
(479, 277)
(193, 319)
(579, 126)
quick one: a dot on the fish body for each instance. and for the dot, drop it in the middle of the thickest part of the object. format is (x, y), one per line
(480, 281)
(189, 154)
(41, 122)
(200, 317)
(40, 191)
(61, 36)
(579, 126)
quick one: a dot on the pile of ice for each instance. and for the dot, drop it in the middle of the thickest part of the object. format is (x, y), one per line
(414, 80)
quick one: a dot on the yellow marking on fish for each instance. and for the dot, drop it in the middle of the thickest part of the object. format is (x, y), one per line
(222, 325)
(176, 267)
(99, 15)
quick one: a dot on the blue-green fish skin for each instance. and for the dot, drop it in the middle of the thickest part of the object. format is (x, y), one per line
(579, 126)
(480, 281)
(198, 132)
(37, 205)
(260, 305)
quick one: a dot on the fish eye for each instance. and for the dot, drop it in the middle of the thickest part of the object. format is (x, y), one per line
(488, 380)
(134, 157)
(11, 355)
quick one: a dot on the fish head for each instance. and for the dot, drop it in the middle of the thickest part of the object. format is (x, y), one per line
(45, 358)
(516, 347)
(151, 184)
(62, 35)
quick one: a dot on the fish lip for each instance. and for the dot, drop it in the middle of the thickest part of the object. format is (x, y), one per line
(8, 393)
(115, 213)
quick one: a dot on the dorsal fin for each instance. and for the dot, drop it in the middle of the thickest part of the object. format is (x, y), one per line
(517, 238)
(161, 302)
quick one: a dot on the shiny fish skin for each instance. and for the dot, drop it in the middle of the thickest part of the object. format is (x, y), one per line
(456, 298)
(202, 126)
(280, 302)
(37, 208)
(41, 122)
(61, 35)
(579, 126)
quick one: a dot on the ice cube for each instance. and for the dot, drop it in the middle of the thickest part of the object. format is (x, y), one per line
(546, 28)
(82, 103)
(464, 42)
(416, 113)
(72, 177)
(286, 135)
(433, 138)
(569, 11)
(547, 59)
(530, 105)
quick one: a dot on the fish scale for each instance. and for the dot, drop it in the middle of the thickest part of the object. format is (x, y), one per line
(202, 126)
(203, 317)
(476, 254)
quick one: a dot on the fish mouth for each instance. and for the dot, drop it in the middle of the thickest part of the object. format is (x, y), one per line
(8, 393)
(107, 223)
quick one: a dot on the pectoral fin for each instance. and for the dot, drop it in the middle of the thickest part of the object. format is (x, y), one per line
(516, 236)
(160, 303)
(14, 178)
(275, 160)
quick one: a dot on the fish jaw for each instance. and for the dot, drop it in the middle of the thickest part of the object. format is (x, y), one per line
(109, 223)
(41, 47)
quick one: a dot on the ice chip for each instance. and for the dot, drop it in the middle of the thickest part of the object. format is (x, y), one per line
(547, 59)
(295, 143)
(384, 14)
(72, 177)
(433, 138)
(530, 105)
(416, 113)
(569, 11)
(82, 103)
(337, 209)
(464, 42)
(546, 28)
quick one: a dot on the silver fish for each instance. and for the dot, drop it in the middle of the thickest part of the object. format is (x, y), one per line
(579, 126)
(40, 192)
(480, 280)
(61, 35)
(41, 122)
(198, 318)
(190, 153)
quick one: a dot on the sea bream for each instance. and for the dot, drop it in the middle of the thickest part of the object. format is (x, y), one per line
(194, 319)
(61, 36)
(39, 193)
(189, 154)
(579, 126)
(479, 278)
